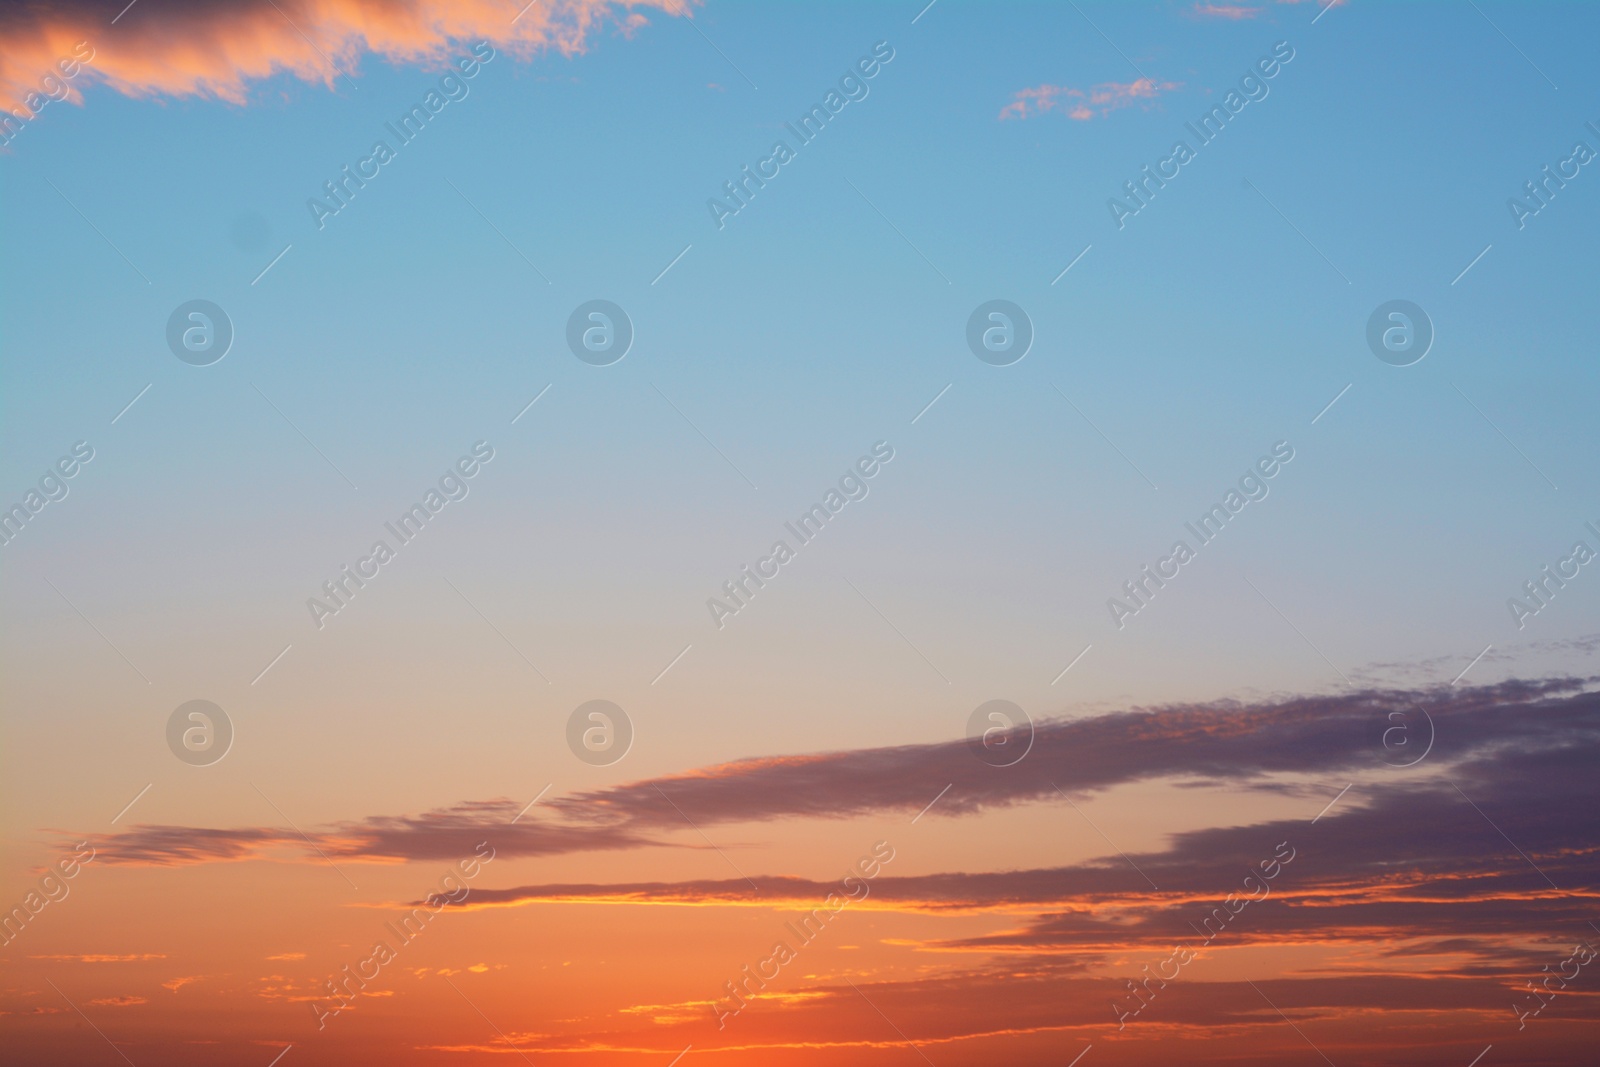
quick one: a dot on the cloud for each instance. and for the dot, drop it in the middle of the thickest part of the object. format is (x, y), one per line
(1413, 868)
(183, 48)
(780, 891)
(1082, 104)
(1439, 668)
(173, 846)
(1415, 864)
(1269, 744)
(1476, 872)
(100, 958)
(1418, 902)
(1223, 740)
(443, 834)
(1049, 1014)
(178, 983)
(1220, 741)
(118, 1002)
(1232, 12)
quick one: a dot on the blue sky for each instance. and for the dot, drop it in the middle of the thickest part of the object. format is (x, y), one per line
(1206, 330)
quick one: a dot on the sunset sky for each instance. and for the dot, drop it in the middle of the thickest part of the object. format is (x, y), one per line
(287, 280)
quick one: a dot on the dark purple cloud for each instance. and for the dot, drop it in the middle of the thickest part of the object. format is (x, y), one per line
(1539, 728)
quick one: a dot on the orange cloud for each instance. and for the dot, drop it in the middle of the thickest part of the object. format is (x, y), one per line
(219, 50)
(1081, 104)
(118, 1002)
(100, 958)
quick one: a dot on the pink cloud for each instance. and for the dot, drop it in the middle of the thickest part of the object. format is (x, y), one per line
(1081, 104)
(219, 50)
(1232, 12)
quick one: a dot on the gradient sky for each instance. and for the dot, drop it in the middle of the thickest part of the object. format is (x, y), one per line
(772, 753)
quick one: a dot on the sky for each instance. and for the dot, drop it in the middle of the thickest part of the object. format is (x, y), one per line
(980, 347)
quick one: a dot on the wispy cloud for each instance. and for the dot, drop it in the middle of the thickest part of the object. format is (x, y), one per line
(95, 957)
(1084, 104)
(1232, 12)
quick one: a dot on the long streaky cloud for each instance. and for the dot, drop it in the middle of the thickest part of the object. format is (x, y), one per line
(1415, 861)
(1220, 742)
